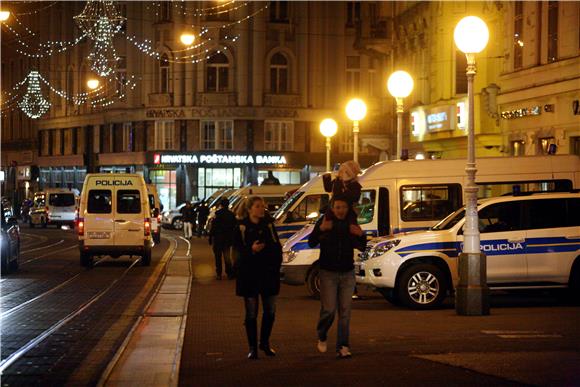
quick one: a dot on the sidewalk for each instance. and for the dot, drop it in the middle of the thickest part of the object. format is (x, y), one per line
(391, 346)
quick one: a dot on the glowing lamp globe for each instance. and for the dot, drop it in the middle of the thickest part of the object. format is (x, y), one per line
(471, 35)
(328, 127)
(187, 38)
(4, 15)
(356, 109)
(400, 84)
(93, 84)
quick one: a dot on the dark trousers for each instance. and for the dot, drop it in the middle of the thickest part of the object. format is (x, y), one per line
(226, 252)
(268, 316)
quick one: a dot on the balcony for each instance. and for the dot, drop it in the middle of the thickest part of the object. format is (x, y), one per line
(160, 99)
(282, 100)
(216, 99)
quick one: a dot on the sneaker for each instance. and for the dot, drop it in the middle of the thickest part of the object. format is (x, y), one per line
(343, 353)
(322, 347)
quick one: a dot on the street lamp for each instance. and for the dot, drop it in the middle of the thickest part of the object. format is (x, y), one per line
(356, 110)
(328, 129)
(400, 85)
(4, 15)
(93, 83)
(187, 38)
(472, 295)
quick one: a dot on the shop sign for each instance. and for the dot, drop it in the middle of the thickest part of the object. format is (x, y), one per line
(165, 113)
(523, 112)
(213, 158)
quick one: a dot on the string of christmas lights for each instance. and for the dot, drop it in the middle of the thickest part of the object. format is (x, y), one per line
(33, 103)
(238, 21)
(36, 10)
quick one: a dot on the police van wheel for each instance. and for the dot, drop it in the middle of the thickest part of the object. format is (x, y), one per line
(146, 258)
(313, 282)
(422, 286)
(86, 260)
(390, 295)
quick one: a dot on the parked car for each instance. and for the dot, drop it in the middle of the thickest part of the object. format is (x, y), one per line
(9, 240)
(172, 218)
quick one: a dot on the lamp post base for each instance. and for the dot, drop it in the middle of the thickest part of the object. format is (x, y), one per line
(472, 293)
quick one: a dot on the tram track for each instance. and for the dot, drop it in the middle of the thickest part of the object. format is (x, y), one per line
(33, 342)
(42, 247)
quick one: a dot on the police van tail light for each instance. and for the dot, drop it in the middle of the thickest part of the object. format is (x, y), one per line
(81, 226)
(159, 218)
(147, 228)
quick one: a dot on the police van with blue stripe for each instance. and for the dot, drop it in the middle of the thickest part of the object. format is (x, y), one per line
(404, 196)
(531, 241)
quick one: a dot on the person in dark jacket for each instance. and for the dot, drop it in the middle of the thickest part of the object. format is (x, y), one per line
(188, 217)
(221, 236)
(258, 271)
(202, 214)
(337, 238)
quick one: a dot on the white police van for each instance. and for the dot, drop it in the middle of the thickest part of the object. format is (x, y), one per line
(530, 241)
(114, 217)
(403, 196)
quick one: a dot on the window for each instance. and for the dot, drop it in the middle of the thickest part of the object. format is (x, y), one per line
(61, 200)
(164, 11)
(429, 202)
(352, 13)
(365, 207)
(217, 73)
(121, 76)
(166, 184)
(352, 75)
(164, 74)
(518, 34)
(552, 213)
(128, 137)
(546, 144)
(373, 80)
(217, 135)
(346, 141)
(99, 201)
(279, 74)
(460, 73)
(279, 11)
(128, 201)
(518, 148)
(279, 135)
(68, 141)
(575, 144)
(70, 86)
(210, 180)
(552, 31)
(164, 135)
(500, 217)
(309, 208)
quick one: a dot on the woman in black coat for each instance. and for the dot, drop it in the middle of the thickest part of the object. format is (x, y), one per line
(258, 271)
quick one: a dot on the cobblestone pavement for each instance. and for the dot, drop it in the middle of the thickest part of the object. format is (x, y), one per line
(527, 340)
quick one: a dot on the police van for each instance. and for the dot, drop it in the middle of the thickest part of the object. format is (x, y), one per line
(403, 196)
(114, 217)
(54, 206)
(530, 241)
(156, 210)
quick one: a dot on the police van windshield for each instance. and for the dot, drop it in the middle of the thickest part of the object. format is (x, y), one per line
(288, 204)
(61, 200)
(450, 221)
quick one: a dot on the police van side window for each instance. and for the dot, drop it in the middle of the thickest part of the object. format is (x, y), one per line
(429, 202)
(500, 217)
(99, 201)
(549, 213)
(128, 201)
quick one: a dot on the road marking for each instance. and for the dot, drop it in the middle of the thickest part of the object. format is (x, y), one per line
(538, 336)
(522, 334)
(43, 247)
(47, 254)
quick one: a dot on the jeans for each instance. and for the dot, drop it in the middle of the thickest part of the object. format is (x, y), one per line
(252, 303)
(187, 230)
(336, 291)
(226, 252)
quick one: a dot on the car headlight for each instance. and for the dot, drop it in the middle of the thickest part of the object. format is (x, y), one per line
(381, 249)
(288, 256)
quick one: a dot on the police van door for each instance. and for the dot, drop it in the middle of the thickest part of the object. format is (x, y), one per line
(129, 218)
(98, 218)
(503, 241)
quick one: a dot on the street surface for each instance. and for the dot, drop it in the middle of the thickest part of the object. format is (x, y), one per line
(530, 338)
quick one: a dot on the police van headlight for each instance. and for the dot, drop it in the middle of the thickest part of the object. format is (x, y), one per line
(288, 256)
(381, 249)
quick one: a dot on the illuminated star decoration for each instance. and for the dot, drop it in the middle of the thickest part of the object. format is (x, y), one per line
(100, 20)
(33, 103)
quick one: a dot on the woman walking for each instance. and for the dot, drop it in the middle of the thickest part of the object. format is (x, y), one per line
(258, 271)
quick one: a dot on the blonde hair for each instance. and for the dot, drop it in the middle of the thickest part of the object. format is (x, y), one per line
(244, 209)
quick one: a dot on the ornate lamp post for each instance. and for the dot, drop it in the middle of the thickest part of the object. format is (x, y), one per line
(400, 85)
(328, 129)
(472, 295)
(356, 110)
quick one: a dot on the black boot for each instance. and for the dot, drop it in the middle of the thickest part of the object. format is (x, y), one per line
(265, 331)
(252, 333)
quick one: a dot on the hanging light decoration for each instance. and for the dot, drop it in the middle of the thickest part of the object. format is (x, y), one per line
(33, 103)
(101, 20)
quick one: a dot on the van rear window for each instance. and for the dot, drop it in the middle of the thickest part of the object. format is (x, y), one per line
(99, 202)
(61, 200)
(128, 201)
